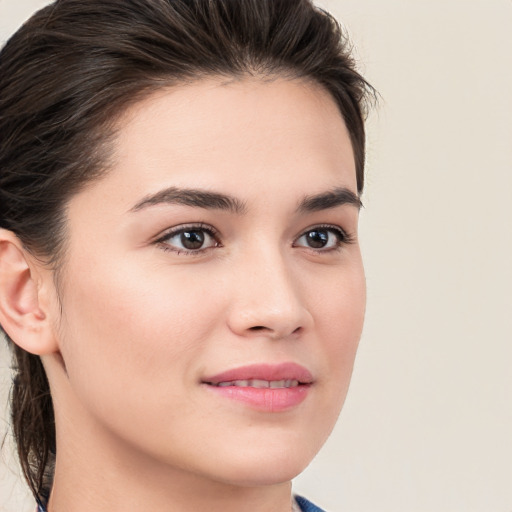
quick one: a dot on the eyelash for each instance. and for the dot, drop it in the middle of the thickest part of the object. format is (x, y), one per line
(343, 238)
(213, 233)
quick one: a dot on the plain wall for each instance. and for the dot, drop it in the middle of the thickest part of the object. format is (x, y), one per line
(428, 421)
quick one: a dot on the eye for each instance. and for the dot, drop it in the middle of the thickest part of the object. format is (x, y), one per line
(189, 239)
(323, 238)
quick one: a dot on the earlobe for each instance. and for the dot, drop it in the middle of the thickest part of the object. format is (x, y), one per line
(23, 314)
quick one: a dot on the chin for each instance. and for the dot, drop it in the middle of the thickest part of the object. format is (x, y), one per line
(271, 474)
(267, 464)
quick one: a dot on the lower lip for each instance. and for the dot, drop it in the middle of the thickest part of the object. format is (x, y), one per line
(264, 399)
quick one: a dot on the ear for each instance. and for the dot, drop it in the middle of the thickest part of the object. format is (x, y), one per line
(24, 304)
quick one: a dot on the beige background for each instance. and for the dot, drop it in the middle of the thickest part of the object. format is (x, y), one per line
(428, 422)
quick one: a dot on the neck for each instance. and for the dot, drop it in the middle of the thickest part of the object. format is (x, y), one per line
(88, 495)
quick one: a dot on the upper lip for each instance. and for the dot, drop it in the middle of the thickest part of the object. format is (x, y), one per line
(269, 372)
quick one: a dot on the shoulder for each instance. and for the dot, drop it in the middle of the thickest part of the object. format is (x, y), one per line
(306, 506)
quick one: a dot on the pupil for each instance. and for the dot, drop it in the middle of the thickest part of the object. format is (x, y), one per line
(192, 239)
(317, 239)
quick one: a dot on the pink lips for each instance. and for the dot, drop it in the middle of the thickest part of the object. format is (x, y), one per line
(264, 387)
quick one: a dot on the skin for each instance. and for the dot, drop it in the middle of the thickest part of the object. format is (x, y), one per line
(136, 324)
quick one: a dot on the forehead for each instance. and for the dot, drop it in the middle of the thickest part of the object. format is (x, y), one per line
(248, 126)
(243, 138)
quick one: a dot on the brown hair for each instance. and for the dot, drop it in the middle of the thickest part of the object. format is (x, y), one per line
(75, 66)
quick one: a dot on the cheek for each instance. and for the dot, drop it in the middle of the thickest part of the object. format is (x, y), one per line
(344, 313)
(340, 305)
(340, 321)
(126, 327)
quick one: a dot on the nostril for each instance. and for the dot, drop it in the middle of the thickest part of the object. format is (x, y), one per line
(260, 328)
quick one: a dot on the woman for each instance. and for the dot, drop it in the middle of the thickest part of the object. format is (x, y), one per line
(181, 281)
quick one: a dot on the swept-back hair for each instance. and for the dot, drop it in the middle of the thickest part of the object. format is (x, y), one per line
(69, 73)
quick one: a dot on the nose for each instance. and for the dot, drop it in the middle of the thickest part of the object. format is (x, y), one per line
(267, 300)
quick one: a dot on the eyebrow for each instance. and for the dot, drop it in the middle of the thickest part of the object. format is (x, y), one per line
(192, 197)
(217, 201)
(330, 199)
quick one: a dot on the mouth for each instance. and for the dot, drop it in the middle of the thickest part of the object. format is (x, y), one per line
(266, 388)
(258, 384)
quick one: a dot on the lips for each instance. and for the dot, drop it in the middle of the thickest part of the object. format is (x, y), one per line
(259, 383)
(267, 388)
(277, 376)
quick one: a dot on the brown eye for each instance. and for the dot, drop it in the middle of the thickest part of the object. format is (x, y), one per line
(322, 238)
(317, 239)
(192, 239)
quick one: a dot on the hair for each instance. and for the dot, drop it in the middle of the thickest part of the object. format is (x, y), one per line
(75, 67)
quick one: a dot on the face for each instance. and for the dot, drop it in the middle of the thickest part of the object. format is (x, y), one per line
(213, 292)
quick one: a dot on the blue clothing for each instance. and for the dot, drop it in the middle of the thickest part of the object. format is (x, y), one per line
(304, 504)
(307, 506)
